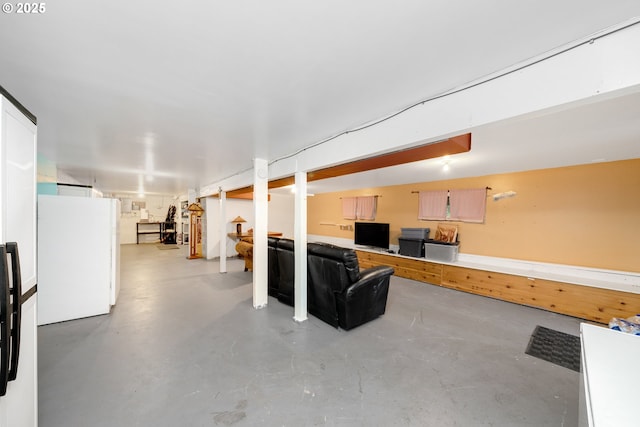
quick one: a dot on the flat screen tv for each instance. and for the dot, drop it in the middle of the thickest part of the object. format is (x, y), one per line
(375, 234)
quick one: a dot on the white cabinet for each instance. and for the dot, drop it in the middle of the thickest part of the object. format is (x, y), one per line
(18, 407)
(610, 378)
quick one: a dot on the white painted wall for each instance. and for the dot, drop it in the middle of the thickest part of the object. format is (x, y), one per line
(157, 206)
(235, 207)
(280, 220)
(281, 209)
(68, 190)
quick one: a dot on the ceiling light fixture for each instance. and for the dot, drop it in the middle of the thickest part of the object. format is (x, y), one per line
(293, 191)
(445, 163)
(140, 185)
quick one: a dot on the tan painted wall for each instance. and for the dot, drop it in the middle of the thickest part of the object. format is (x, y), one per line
(582, 215)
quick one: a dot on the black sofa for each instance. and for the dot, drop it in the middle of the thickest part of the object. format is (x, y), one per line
(272, 245)
(337, 291)
(281, 261)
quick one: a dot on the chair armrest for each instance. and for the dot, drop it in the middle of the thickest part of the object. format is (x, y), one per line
(374, 276)
(245, 249)
(365, 299)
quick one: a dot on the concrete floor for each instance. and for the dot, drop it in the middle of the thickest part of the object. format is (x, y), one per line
(184, 347)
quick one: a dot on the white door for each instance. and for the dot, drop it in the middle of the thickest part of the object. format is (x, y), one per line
(19, 407)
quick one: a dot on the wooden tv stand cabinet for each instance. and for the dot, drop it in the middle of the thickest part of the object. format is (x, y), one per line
(582, 301)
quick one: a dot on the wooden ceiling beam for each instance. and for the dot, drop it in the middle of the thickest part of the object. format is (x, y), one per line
(454, 145)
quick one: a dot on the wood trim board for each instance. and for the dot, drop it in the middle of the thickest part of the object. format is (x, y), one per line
(584, 302)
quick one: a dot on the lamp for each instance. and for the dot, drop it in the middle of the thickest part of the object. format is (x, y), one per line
(238, 221)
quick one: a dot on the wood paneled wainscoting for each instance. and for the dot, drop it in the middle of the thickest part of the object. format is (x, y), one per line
(585, 302)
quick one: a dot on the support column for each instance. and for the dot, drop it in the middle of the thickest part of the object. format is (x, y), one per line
(260, 213)
(222, 229)
(300, 248)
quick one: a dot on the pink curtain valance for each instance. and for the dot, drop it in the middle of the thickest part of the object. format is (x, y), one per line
(363, 207)
(468, 205)
(366, 207)
(432, 205)
(349, 205)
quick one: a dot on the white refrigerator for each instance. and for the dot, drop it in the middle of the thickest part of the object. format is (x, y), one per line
(78, 257)
(18, 284)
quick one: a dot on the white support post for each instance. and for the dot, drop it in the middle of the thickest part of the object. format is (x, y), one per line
(222, 228)
(300, 248)
(260, 254)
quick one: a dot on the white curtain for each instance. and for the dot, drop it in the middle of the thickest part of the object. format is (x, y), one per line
(468, 205)
(366, 207)
(349, 205)
(432, 205)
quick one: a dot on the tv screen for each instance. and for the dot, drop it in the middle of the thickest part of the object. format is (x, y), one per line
(374, 234)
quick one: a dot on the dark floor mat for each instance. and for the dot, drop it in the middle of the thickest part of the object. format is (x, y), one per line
(163, 247)
(555, 347)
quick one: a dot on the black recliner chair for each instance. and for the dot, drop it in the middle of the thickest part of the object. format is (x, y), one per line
(338, 292)
(285, 260)
(274, 272)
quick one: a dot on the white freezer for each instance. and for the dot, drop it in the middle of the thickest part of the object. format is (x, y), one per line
(78, 257)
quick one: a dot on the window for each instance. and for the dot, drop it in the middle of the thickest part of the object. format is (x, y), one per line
(455, 205)
(364, 207)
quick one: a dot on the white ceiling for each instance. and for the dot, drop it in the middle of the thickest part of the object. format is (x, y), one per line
(571, 136)
(177, 95)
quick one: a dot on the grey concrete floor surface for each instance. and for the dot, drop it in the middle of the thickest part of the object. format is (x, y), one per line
(185, 347)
